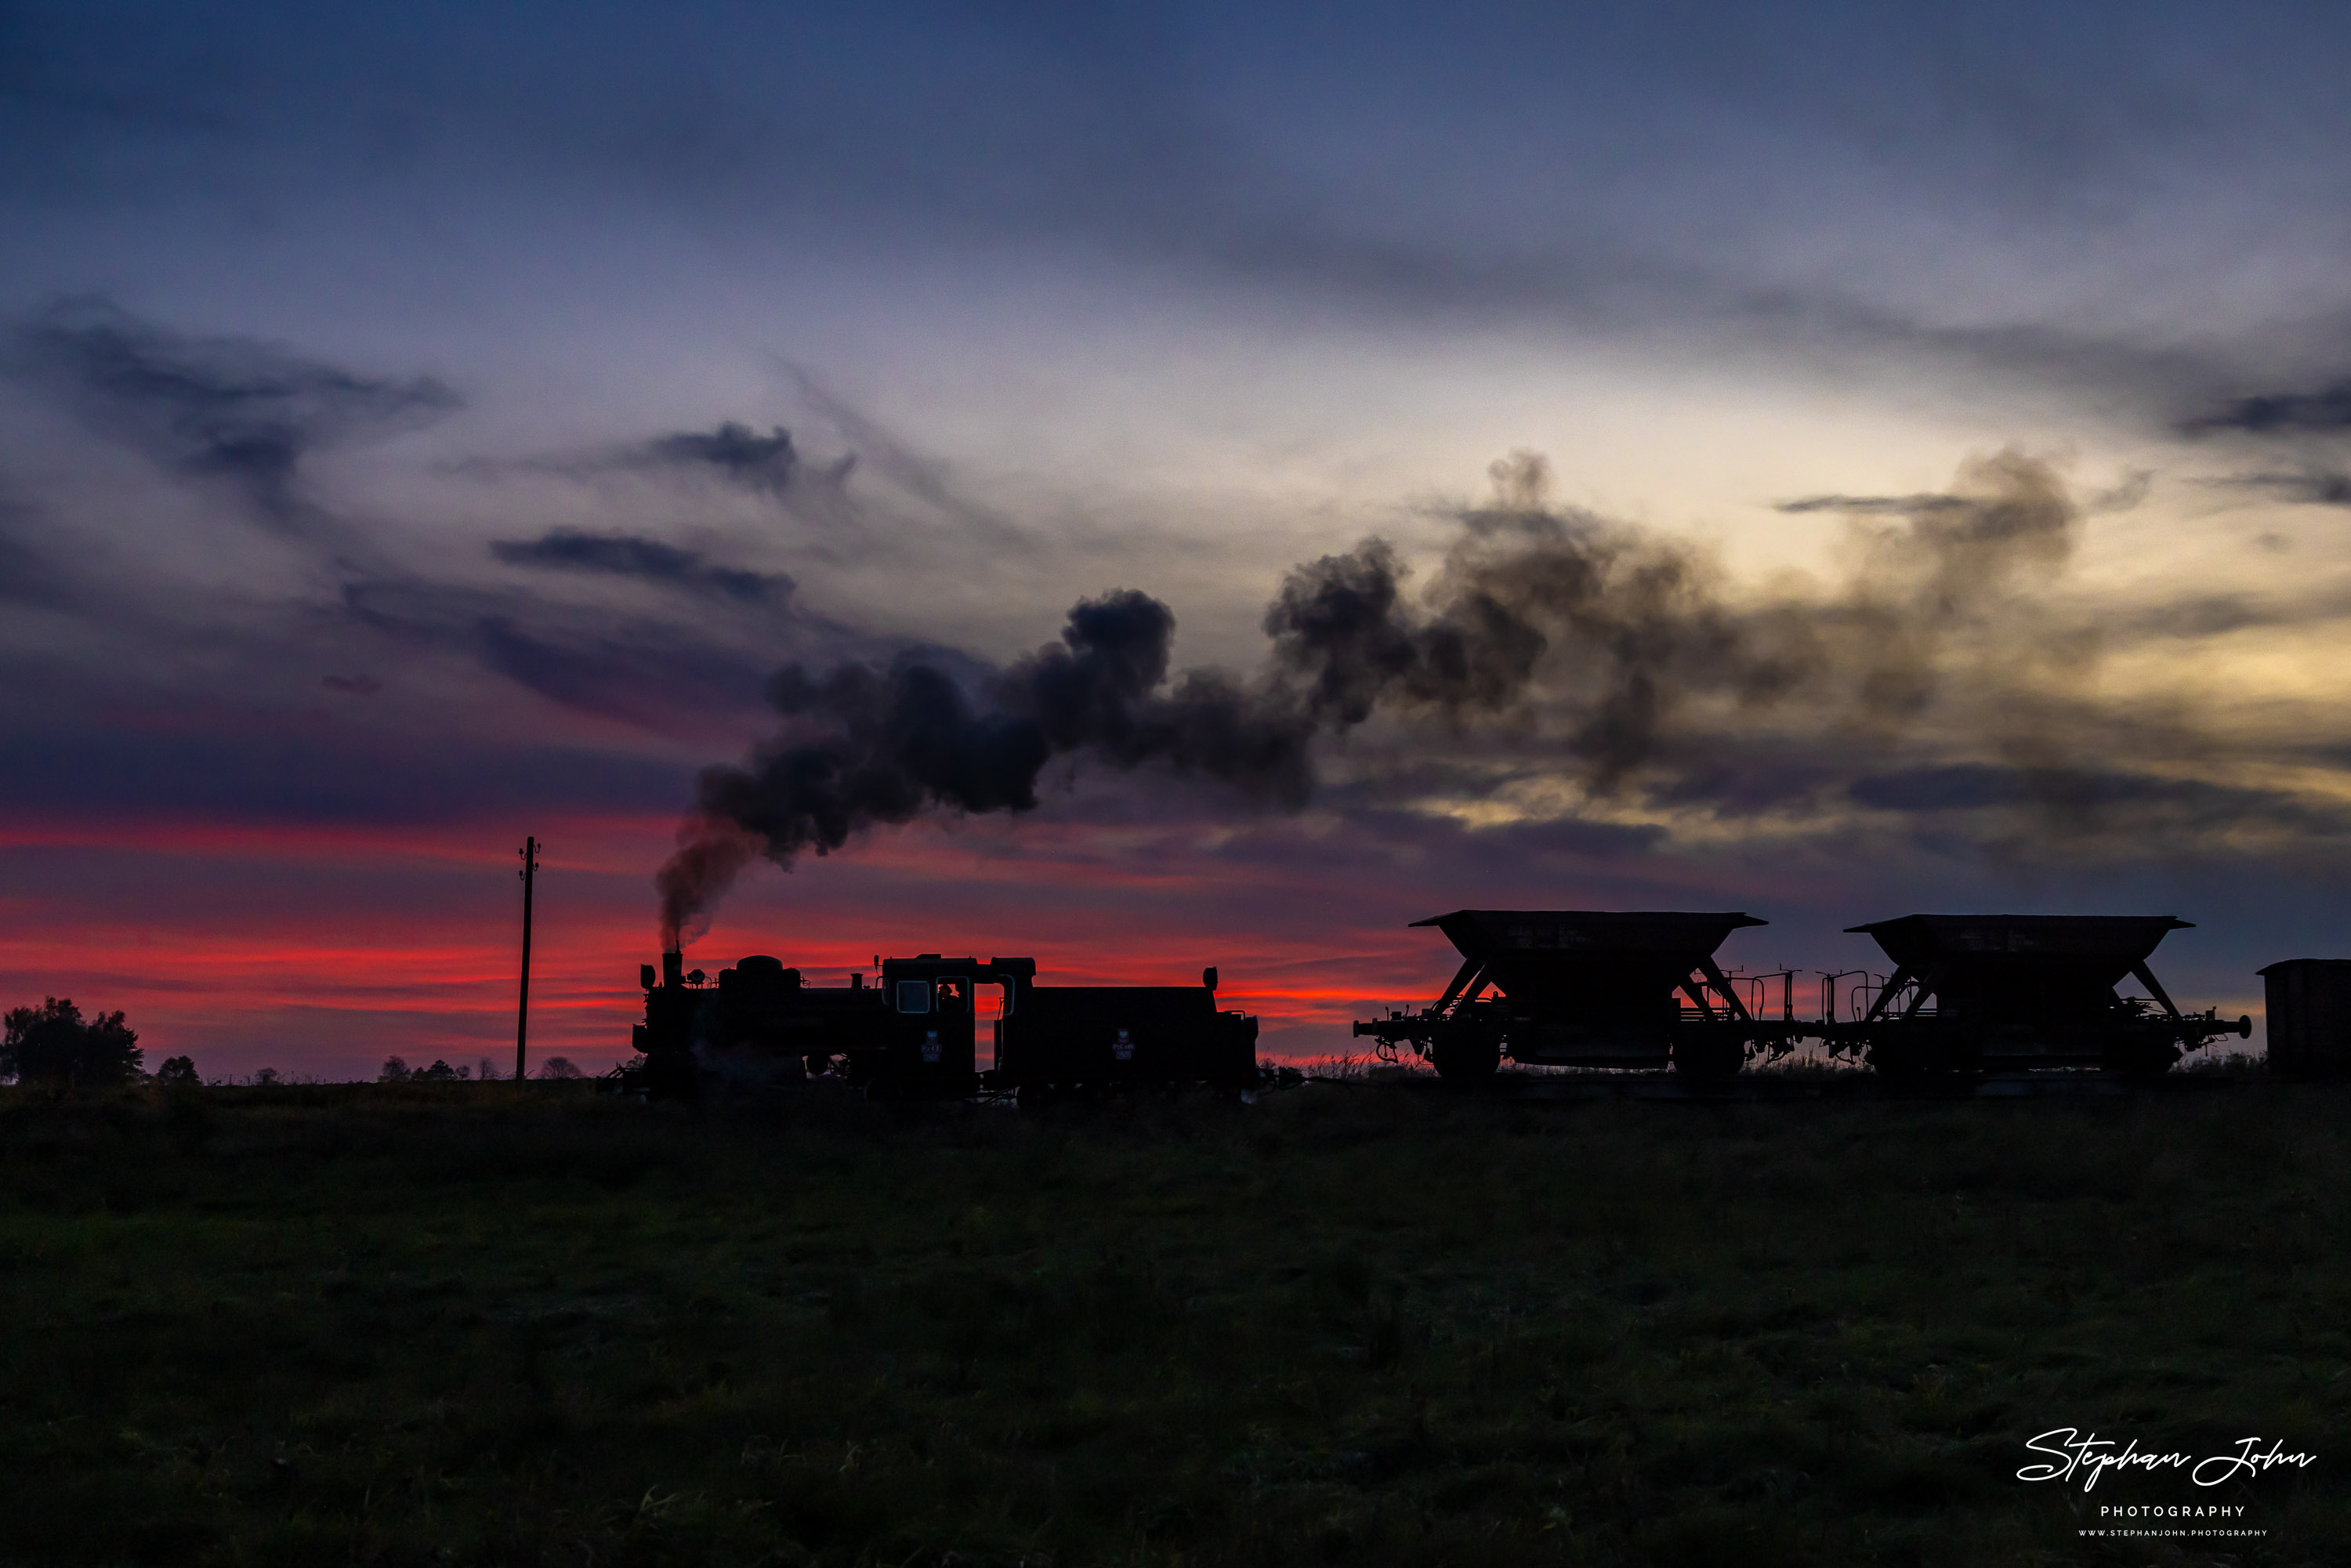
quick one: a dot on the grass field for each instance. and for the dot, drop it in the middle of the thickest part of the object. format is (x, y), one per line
(493, 1323)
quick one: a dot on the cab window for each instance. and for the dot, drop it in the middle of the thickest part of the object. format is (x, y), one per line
(914, 996)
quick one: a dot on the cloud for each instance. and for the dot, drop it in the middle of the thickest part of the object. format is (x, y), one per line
(24, 573)
(244, 413)
(734, 451)
(2311, 487)
(647, 561)
(645, 672)
(253, 765)
(733, 454)
(1874, 505)
(2325, 411)
(2127, 808)
(922, 477)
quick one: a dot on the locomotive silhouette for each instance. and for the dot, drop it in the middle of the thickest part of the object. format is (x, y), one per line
(915, 1034)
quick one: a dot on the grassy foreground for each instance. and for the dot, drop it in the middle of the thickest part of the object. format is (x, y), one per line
(500, 1324)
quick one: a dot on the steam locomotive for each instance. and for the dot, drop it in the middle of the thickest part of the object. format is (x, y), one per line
(914, 1034)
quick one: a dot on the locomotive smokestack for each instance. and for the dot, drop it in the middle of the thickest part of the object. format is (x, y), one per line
(673, 968)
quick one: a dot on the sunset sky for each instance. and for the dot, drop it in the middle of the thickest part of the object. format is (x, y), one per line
(1920, 435)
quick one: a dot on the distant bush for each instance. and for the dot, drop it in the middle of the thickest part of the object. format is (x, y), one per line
(394, 1071)
(50, 1044)
(439, 1072)
(559, 1067)
(178, 1072)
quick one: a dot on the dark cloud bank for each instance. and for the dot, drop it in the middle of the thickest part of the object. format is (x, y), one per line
(1552, 648)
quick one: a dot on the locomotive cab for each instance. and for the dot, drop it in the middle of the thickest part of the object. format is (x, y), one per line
(932, 1044)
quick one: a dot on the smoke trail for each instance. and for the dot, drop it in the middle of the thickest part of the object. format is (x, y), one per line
(861, 746)
(1602, 646)
(1601, 624)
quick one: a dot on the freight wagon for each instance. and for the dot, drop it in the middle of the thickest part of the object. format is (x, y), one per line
(1968, 993)
(1972, 993)
(1584, 988)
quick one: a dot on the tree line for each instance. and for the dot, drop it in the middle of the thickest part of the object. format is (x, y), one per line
(54, 1046)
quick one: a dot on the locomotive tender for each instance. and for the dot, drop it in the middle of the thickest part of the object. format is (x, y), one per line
(915, 1034)
(1641, 988)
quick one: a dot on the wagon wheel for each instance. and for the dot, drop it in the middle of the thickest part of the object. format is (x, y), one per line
(1467, 1055)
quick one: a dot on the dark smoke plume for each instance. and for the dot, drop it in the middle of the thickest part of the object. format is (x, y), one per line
(861, 745)
(1588, 620)
(1592, 651)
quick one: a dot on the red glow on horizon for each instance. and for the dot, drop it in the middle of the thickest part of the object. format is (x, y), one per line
(322, 949)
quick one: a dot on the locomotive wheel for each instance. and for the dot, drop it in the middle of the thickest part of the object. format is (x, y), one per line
(1466, 1056)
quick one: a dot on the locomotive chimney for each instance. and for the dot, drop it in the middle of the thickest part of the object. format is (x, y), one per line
(673, 968)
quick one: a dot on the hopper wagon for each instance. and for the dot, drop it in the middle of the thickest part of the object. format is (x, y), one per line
(1584, 988)
(1973, 993)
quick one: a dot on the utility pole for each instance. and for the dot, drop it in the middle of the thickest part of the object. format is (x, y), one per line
(529, 851)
